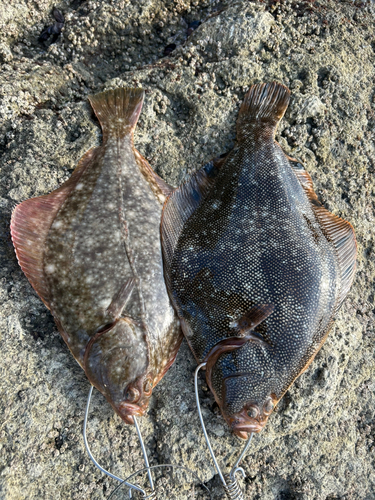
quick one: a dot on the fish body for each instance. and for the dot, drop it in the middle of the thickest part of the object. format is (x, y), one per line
(255, 266)
(91, 249)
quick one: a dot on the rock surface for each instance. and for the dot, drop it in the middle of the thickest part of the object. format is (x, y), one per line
(319, 444)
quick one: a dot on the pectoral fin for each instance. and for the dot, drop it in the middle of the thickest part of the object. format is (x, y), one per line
(253, 318)
(121, 298)
(116, 357)
(244, 325)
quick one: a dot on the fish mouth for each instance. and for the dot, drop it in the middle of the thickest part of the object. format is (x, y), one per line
(243, 430)
(242, 425)
(129, 410)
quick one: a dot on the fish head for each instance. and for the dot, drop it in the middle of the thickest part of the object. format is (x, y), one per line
(245, 386)
(116, 363)
(136, 398)
(247, 403)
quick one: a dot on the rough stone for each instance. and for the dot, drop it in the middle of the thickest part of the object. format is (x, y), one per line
(320, 442)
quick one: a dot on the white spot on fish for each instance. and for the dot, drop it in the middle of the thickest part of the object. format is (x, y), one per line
(104, 303)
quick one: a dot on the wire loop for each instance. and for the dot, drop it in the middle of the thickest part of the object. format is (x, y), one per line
(154, 467)
(149, 493)
(131, 486)
(232, 488)
(230, 483)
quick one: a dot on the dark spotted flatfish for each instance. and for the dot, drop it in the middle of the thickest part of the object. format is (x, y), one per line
(256, 267)
(91, 250)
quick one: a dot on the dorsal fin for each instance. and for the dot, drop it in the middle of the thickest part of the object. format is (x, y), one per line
(338, 231)
(30, 224)
(303, 177)
(180, 205)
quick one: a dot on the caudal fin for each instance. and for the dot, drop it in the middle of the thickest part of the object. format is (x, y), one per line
(118, 110)
(264, 105)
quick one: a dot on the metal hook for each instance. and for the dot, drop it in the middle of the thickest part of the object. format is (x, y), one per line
(230, 484)
(129, 485)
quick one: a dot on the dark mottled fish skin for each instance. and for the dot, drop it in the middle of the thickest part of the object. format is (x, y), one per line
(92, 251)
(256, 267)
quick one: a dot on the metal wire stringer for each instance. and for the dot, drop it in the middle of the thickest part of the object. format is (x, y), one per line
(145, 495)
(230, 483)
(150, 493)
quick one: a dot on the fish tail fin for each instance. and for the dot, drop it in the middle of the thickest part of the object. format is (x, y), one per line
(118, 110)
(263, 107)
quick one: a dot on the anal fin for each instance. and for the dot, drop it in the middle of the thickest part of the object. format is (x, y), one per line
(338, 232)
(159, 187)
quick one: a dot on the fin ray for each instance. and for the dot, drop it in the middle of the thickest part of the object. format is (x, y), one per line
(159, 187)
(117, 110)
(264, 103)
(30, 224)
(180, 205)
(338, 231)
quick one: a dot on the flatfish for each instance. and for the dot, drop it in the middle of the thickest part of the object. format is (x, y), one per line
(255, 266)
(91, 249)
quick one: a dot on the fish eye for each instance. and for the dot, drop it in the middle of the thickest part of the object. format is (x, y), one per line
(268, 407)
(132, 394)
(252, 412)
(147, 387)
